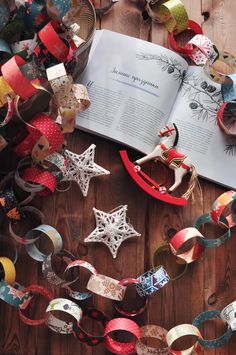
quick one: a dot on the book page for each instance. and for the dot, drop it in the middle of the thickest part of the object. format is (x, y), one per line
(200, 137)
(132, 85)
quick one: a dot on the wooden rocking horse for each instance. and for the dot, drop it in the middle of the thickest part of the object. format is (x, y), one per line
(176, 161)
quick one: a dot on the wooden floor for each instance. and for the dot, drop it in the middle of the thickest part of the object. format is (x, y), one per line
(209, 283)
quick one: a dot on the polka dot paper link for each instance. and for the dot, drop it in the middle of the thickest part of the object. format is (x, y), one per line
(122, 324)
(112, 229)
(81, 168)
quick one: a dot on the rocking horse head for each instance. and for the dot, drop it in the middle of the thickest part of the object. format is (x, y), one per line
(170, 130)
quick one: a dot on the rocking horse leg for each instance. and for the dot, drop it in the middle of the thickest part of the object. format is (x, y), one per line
(151, 156)
(179, 173)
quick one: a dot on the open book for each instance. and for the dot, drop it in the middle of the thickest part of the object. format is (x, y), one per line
(136, 87)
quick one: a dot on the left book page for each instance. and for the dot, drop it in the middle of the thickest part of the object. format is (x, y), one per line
(131, 96)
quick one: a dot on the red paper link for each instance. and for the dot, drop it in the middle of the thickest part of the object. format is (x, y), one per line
(15, 78)
(41, 177)
(177, 48)
(220, 118)
(43, 292)
(41, 125)
(47, 128)
(117, 347)
(53, 42)
(183, 236)
(9, 114)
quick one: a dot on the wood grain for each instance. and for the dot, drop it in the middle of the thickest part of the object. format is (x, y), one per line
(208, 284)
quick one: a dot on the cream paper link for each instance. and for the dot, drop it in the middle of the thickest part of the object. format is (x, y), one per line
(180, 331)
(70, 98)
(228, 315)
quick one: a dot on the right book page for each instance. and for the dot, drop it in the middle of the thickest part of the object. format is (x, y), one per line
(194, 113)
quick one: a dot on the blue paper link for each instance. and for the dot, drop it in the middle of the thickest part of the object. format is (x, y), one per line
(152, 281)
(51, 233)
(229, 89)
(4, 14)
(33, 13)
(215, 343)
(13, 295)
(210, 242)
(62, 6)
(58, 8)
(4, 47)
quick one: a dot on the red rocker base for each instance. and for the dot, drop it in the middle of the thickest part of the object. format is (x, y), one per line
(144, 181)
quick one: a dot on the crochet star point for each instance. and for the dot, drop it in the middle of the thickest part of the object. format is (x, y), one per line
(81, 168)
(112, 229)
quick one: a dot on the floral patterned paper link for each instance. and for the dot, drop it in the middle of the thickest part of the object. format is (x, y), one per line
(106, 286)
(151, 331)
(64, 305)
(112, 229)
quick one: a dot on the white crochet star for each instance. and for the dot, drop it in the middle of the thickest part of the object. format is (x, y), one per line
(81, 168)
(112, 229)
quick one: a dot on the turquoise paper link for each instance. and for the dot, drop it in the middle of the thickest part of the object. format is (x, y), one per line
(228, 89)
(13, 295)
(62, 6)
(4, 13)
(215, 343)
(4, 47)
(212, 243)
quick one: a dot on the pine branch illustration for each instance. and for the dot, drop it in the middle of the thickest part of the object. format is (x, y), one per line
(230, 149)
(208, 90)
(171, 65)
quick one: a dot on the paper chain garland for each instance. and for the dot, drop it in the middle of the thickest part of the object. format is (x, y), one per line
(23, 78)
(31, 68)
(146, 284)
(223, 204)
